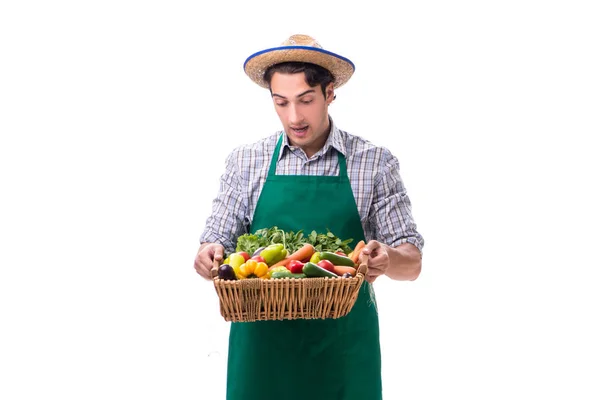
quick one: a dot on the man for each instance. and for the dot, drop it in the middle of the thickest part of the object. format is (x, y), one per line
(312, 176)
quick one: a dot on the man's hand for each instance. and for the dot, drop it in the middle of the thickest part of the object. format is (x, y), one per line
(207, 254)
(378, 261)
(399, 263)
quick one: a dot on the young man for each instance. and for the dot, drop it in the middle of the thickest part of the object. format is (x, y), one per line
(311, 176)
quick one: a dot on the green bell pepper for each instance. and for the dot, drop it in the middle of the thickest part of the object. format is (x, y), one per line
(274, 253)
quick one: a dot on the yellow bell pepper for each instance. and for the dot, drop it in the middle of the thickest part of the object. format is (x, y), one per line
(315, 258)
(254, 269)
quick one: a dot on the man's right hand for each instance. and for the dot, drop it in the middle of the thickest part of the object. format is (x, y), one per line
(207, 254)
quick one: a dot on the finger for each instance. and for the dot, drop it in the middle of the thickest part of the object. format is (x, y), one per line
(371, 278)
(371, 247)
(198, 265)
(377, 269)
(378, 262)
(205, 271)
(202, 273)
(202, 270)
(203, 264)
(219, 253)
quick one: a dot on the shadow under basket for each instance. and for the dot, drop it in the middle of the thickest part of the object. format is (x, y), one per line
(248, 300)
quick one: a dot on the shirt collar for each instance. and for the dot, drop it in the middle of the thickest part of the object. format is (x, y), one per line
(333, 140)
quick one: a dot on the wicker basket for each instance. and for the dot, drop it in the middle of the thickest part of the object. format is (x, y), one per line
(247, 300)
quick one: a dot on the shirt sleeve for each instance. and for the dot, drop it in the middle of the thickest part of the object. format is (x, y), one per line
(390, 213)
(227, 220)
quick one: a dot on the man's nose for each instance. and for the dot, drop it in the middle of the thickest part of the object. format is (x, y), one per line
(294, 115)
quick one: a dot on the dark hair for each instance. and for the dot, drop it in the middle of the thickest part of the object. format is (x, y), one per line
(314, 74)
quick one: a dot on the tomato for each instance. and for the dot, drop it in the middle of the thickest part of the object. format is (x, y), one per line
(295, 266)
(245, 255)
(341, 253)
(326, 264)
(258, 259)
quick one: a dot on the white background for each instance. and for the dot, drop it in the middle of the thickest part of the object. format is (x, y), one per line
(115, 121)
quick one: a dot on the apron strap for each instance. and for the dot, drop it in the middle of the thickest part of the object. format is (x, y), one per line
(275, 158)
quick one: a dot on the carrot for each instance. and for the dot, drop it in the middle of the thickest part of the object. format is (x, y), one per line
(342, 269)
(304, 252)
(357, 249)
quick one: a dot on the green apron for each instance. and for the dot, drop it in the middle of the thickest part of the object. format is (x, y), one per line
(332, 359)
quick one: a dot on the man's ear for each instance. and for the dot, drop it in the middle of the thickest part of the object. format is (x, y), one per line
(330, 95)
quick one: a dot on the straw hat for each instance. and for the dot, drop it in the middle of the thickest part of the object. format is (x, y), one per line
(302, 48)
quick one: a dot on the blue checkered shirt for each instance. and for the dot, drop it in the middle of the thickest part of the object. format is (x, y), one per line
(383, 205)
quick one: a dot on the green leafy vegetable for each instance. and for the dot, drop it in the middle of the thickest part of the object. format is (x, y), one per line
(329, 242)
(291, 240)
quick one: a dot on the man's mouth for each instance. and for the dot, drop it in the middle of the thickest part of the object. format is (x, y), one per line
(300, 130)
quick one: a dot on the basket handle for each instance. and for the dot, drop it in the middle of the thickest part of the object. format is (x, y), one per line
(214, 271)
(362, 267)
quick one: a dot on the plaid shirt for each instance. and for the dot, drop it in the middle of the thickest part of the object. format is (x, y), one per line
(383, 205)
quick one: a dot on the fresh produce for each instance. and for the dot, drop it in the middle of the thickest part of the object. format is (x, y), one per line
(281, 268)
(274, 253)
(326, 264)
(342, 269)
(347, 275)
(257, 252)
(295, 266)
(357, 250)
(258, 259)
(235, 260)
(237, 272)
(312, 270)
(337, 259)
(286, 274)
(329, 242)
(253, 269)
(292, 241)
(226, 272)
(303, 253)
(315, 258)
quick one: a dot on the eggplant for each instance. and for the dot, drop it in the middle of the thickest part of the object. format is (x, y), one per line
(227, 273)
(257, 252)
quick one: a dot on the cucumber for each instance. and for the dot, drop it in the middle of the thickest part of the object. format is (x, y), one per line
(312, 270)
(286, 274)
(337, 259)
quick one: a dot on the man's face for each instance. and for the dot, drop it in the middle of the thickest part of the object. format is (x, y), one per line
(302, 110)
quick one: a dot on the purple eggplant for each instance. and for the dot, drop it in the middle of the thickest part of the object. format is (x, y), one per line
(257, 252)
(227, 273)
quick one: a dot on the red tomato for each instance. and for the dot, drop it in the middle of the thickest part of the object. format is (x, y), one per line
(341, 253)
(326, 264)
(295, 266)
(258, 259)
(245, 255)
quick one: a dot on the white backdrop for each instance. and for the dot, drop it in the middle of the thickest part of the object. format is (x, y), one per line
(115, 121)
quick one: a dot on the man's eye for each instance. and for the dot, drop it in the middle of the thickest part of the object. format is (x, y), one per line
(281, 104)
(306, 101)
